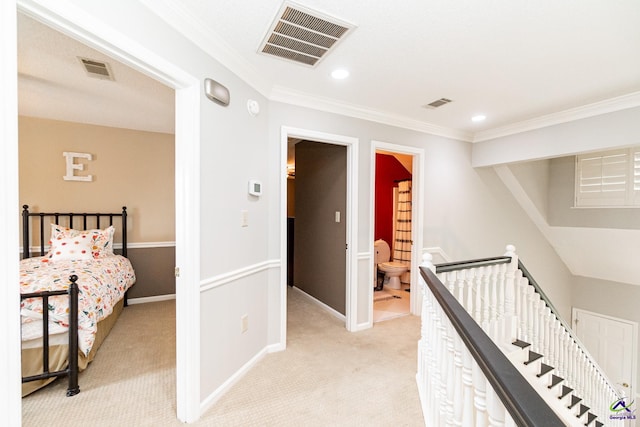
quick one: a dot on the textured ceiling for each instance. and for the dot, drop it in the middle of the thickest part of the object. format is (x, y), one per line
(515, 61)
(53, 84)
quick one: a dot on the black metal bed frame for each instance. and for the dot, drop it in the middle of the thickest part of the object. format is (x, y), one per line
(72, 368)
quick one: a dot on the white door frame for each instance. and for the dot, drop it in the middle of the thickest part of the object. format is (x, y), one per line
(71, 20)
(417, 218)
(634, 342)
(351, 299)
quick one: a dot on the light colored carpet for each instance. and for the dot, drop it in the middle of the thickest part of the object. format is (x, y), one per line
(326, 377)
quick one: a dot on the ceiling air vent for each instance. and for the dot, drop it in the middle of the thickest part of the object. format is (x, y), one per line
(97, 69)
(438, 103)
(303, 35)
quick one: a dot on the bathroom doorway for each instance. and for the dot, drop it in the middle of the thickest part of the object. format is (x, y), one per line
(396, 230)
(392, 235)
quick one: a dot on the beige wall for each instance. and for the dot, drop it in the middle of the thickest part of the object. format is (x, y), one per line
(129, 168)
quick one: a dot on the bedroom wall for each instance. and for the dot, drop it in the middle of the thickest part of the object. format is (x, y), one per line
(129, 168)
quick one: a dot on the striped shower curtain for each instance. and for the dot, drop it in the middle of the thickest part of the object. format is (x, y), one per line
(402, 239)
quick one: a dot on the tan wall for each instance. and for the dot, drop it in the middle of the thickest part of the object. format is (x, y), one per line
(129, 168)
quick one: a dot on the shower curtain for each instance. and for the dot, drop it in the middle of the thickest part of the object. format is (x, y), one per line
(402, 239)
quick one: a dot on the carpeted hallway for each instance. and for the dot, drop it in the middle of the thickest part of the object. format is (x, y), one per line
(326, 377)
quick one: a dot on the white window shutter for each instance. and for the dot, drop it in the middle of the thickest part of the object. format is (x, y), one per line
(635, 176)
(602, 179)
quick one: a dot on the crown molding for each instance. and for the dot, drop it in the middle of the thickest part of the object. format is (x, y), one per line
(611, 105)
(302, 99)
(195, 29)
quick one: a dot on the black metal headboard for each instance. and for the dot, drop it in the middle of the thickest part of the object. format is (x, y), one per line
(71, 220)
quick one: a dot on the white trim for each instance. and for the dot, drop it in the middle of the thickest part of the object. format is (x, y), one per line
(611, 105)
(156, 298)
(437, 250)
(320, 304)
(146, 245)
(232, 276)
(210, 400)
(634, 340)
(10, 385)
(75, 22)
(351, 299)
(202, 35)
(292, 97)
(417, 217)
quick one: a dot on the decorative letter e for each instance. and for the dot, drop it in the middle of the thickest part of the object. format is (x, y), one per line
(71, 167)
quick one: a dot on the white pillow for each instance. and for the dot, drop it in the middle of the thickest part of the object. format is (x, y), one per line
(70, 248)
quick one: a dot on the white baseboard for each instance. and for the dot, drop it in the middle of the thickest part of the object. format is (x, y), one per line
(322, 305)
(143, 300)
(226, 386)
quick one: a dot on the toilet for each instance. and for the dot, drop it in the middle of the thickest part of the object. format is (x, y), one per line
(393, 270)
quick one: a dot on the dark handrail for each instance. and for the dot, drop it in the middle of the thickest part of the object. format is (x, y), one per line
(524, 404)
(457, 265)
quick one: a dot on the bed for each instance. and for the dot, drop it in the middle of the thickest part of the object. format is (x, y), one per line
(82, 282)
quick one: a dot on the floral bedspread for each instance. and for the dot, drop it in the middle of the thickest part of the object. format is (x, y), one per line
(101, 282)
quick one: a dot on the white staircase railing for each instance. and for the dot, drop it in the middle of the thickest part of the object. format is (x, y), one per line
(508, 305)
(457, 371)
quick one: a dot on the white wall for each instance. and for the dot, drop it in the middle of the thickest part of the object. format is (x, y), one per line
(611, 130)
(468, 212)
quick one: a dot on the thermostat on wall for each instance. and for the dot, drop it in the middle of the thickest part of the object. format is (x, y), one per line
(255, 188)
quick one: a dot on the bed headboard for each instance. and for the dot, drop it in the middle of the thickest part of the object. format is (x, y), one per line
(40, 222)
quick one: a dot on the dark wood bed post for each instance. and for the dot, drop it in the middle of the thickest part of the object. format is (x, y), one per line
(73, 388)
(26, 250)
(124, 231)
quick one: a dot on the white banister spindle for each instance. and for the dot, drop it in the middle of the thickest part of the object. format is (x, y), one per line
(448, 379)
(495, 409)
(501, 271)
(488, 302)
(467, 393)
(479, 284)
(461, 286)
(458, 382)
(479, 398)
(496, 312)
(510, 282)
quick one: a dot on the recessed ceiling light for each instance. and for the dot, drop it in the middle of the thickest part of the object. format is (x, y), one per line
(478, 118)
(340, 74)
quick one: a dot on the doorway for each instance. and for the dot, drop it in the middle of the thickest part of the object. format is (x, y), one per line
(393, 245)
(414, 160)
(187, 169)
(348, 146)
(319, 231)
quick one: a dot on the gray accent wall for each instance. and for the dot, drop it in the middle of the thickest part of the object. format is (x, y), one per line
(319, 241)
(154, 269)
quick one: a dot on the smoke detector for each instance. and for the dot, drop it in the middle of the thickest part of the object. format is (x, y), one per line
(303, 35)
(97, 69)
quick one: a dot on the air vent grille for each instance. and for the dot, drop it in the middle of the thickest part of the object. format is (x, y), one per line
(97, 69)
(438, 103)
(302, 35)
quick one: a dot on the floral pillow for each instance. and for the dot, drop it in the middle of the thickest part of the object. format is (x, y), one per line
(100, 241)
(70, 248)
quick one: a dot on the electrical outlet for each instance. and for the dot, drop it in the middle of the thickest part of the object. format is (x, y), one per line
(244, 323)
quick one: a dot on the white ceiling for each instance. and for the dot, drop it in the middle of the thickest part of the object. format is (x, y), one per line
(53, 84)
(512, 60)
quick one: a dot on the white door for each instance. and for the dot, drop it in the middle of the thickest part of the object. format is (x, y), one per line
(612, 343)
